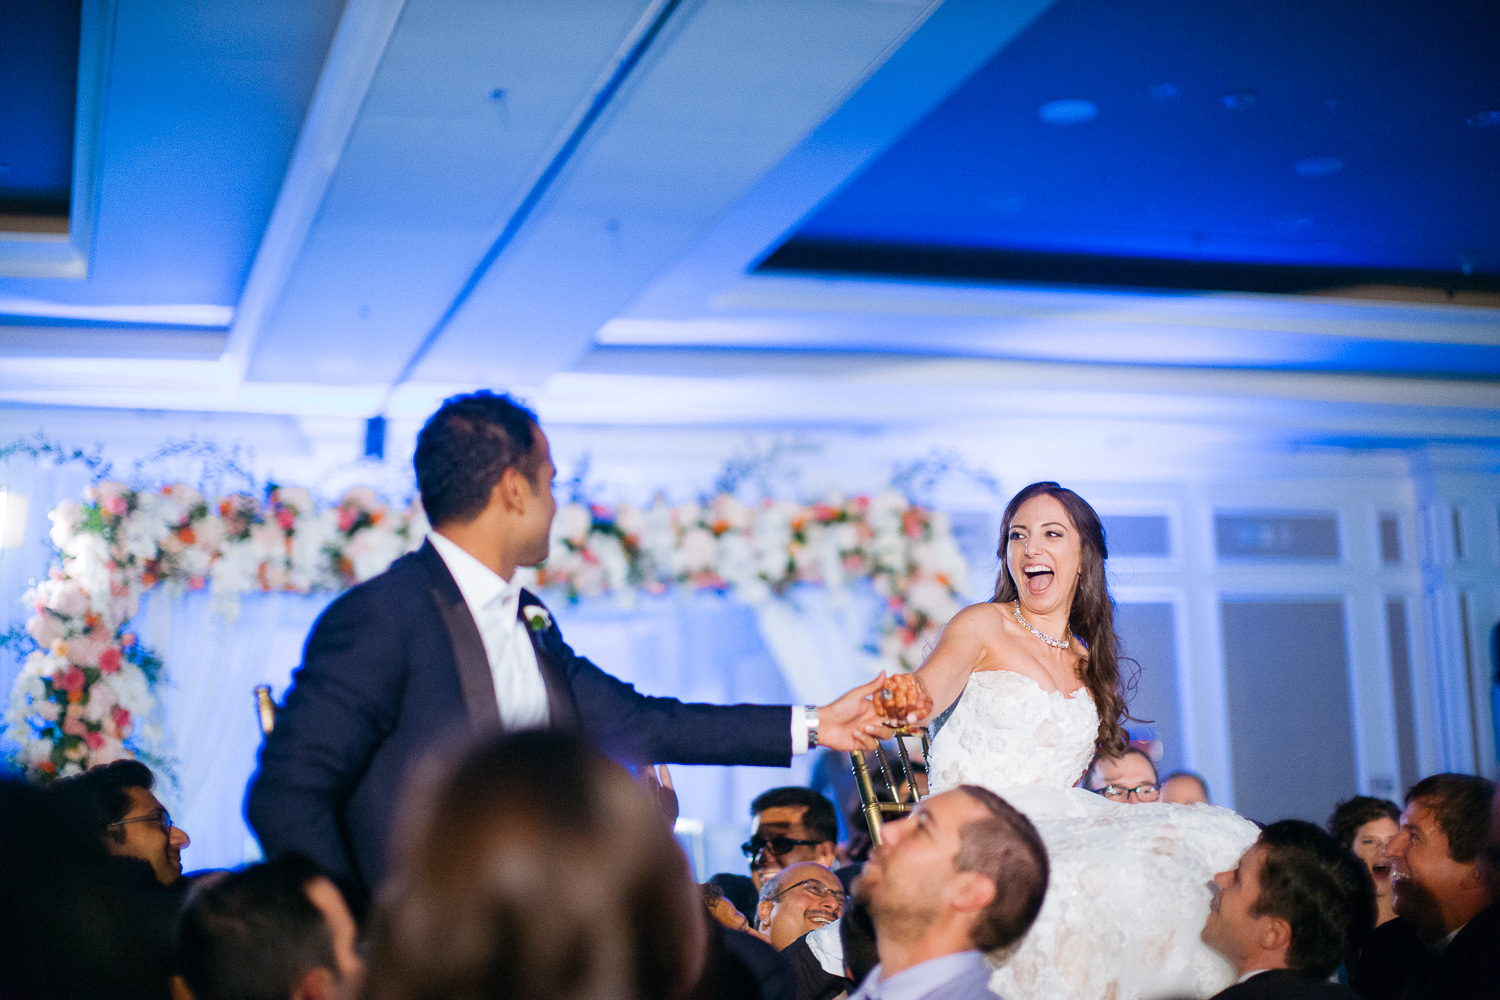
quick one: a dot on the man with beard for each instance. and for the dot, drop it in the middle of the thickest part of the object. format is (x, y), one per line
(1445, 942)
(965, 873)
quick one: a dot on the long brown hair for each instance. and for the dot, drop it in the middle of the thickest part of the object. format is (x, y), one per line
(1092, 616)
(532, 868)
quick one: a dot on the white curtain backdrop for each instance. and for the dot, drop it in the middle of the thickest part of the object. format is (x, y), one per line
(805, 649)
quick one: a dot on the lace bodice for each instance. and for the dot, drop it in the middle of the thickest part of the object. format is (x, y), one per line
(1006, 731)
(1128, 891)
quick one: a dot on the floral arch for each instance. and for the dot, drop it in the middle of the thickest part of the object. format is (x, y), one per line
(86, 689)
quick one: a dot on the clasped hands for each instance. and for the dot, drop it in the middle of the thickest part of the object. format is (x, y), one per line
(872, 712)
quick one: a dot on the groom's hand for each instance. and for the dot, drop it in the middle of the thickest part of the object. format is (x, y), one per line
(851, 722)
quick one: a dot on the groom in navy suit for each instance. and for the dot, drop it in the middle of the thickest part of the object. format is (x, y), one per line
(446, 642)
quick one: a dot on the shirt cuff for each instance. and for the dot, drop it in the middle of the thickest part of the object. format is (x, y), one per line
(799, 730)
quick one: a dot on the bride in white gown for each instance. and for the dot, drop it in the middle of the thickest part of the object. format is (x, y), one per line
(1036, 678)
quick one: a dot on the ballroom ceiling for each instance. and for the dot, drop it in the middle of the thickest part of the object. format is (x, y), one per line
(718, 211)
(1155, 143)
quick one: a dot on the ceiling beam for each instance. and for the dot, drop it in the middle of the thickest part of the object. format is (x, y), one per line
(358, 47)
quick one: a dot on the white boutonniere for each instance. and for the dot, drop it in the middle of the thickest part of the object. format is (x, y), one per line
(537, 618)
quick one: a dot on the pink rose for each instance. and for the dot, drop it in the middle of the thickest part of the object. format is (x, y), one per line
(115, 505)
(109, 660)
(286, 519)
(71, 679)
(93, 739)
(74, 726)
(121, 718)
(347, 517)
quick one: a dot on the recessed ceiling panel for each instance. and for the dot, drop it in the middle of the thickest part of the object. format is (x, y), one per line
(1163, 143)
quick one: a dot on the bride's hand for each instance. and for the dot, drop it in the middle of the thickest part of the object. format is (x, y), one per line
(852, 722)
(902, 701)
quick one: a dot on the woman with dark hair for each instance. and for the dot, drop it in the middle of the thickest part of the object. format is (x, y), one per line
(1039, 671)
(1365, 825)
(533, 868)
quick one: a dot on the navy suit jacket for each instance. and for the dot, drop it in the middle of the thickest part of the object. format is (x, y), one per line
(395, 666)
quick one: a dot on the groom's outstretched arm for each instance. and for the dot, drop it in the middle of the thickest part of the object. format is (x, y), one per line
(640, 728)
(340, 707)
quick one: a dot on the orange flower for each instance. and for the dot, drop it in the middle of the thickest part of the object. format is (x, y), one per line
(187, 535)
(74, 697)
(47, 767)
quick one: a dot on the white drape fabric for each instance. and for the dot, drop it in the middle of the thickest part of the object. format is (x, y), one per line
(208, 707)
(803, 649)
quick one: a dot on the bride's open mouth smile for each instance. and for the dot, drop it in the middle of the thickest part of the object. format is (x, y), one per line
(1038, 577)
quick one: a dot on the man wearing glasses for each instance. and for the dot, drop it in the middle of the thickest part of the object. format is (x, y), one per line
(799, 899)
(118, 801)
(1129, 778)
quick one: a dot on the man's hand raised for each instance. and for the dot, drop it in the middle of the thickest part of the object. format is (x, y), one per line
(851, 722)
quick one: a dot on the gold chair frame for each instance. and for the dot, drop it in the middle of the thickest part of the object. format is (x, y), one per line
(874, 807)
(265, 709)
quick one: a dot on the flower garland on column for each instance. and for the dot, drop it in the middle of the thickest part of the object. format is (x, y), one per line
(85, 689)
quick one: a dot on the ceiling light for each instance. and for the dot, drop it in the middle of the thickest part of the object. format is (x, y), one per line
(1164, 91)
(1319, 166)
(1239, 100)
(1484, 119)
(1069, 111)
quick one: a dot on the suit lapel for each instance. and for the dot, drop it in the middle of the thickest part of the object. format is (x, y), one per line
(469, 658)
(561, 708)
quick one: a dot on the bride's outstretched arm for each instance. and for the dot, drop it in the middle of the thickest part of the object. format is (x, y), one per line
(961, 649)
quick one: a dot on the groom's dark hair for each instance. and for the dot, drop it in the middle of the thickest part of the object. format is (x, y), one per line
(464, 449)
(1006, 849)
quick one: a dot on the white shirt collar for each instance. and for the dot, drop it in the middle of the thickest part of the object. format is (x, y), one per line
(479, 584)
(1251, 974)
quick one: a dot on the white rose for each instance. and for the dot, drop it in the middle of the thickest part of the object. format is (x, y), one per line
(67, 518)
(631, 520)
(573, 523)
(699, 551)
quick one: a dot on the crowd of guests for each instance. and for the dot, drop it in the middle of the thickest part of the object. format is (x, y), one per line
(531, 867)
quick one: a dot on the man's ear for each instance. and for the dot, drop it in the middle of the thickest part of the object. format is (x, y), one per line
(1275, 934)
(512, 490)
(826, 854)
(763, 914)
(970, 892)
(316, 984)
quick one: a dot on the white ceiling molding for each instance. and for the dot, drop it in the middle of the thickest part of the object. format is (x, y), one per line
(57, 255)
(360, 43)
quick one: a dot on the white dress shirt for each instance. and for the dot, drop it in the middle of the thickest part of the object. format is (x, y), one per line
(495, 604)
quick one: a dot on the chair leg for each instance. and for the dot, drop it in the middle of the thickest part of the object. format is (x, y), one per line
(867, 800)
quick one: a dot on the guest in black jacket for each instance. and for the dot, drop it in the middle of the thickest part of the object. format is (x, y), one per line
(447, 642)
(1445, 941)
(1296, 905)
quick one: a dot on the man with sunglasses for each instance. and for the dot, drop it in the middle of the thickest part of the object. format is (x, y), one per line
(790, 825)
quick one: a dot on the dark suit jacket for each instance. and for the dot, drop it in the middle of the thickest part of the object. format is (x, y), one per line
(1468, 969)
(813, 981)
(396, 665)
(1284, 984)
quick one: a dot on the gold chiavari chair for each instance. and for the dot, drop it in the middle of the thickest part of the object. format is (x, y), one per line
(265, 709)
(901, 793)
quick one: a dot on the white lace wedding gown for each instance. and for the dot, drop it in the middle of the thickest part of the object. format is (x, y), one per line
(1129, 883)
